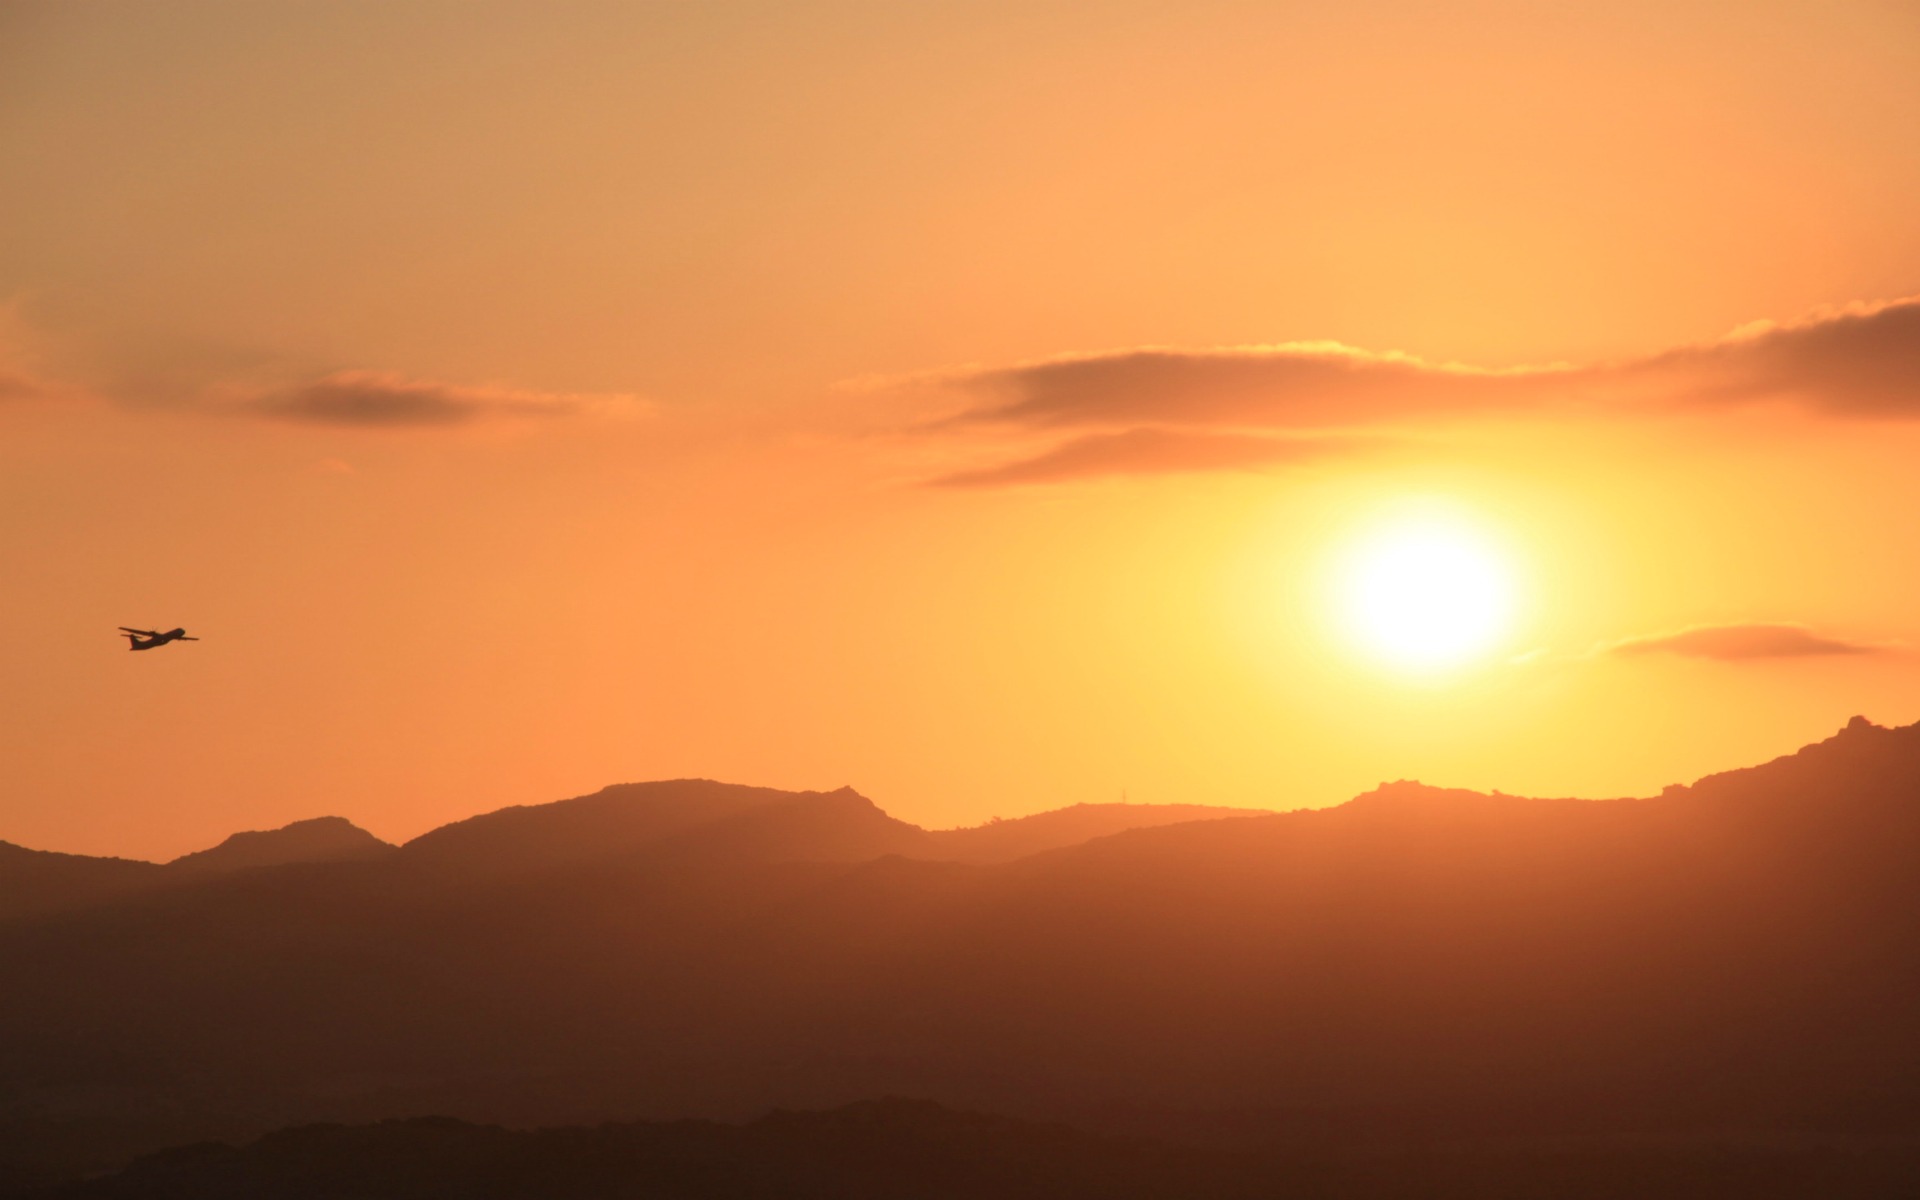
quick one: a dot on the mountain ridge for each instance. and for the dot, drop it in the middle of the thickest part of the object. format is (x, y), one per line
(620, 820)
(1418, 962)
(892, 1147)
(316, 839)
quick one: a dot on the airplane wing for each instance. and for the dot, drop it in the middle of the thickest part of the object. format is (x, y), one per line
(141, 632)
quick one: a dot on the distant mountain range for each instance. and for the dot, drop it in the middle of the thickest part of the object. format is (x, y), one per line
(888, 1149)
(686, 816)
(1737, 958)
(322, 839)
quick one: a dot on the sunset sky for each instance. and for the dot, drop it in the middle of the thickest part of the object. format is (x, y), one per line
(990, 406)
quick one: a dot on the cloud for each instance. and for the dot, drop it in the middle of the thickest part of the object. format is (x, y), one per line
(17, 386)
(1149, 452)
(1860, 361)
(1738, 643)
(382, 400)
(21, 378)
(1300, 385)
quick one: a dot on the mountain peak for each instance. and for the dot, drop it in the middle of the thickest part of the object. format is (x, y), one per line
(1862, 759)
(673, 815)
(1005, 840)
(1408, 792)
(318, 839)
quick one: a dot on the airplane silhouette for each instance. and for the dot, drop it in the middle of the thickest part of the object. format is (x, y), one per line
(147, 639)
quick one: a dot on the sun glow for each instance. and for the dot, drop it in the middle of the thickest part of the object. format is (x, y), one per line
(1425, 592)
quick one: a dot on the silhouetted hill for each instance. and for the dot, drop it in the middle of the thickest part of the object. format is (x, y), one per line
(1004, 841)
(894, 1148)
(681, 814)
(668, 820)
(883, 1149)
(39, 882)
(685, 816)
(33, 882)
(321, 839)
(1419, 963)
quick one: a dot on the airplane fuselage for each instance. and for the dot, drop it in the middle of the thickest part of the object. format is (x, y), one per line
(147, 640)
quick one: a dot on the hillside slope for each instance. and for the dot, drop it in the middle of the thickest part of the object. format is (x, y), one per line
(1419, 962)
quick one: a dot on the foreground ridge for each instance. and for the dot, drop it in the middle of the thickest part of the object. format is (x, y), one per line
(1733, 958)
(890, 1148)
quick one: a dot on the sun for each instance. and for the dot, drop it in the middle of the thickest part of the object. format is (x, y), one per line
(1425, 592)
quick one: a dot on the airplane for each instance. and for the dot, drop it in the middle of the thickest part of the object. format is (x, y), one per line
(147, 639)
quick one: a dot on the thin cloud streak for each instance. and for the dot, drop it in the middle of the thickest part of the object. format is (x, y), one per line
(1300, 385)
(21, 378)
(1150, 452)
(20, 387)
(382, 400)
(1741, 643)
(1861, 361)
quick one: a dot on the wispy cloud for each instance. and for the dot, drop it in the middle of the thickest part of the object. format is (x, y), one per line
(22, 376)
(383, 400)
(1151, 452)
(15, 385)
(1860, 361)
(1736, 643)
(1301, 385)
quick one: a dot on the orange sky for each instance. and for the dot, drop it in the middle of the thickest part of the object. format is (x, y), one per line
(523, 398)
